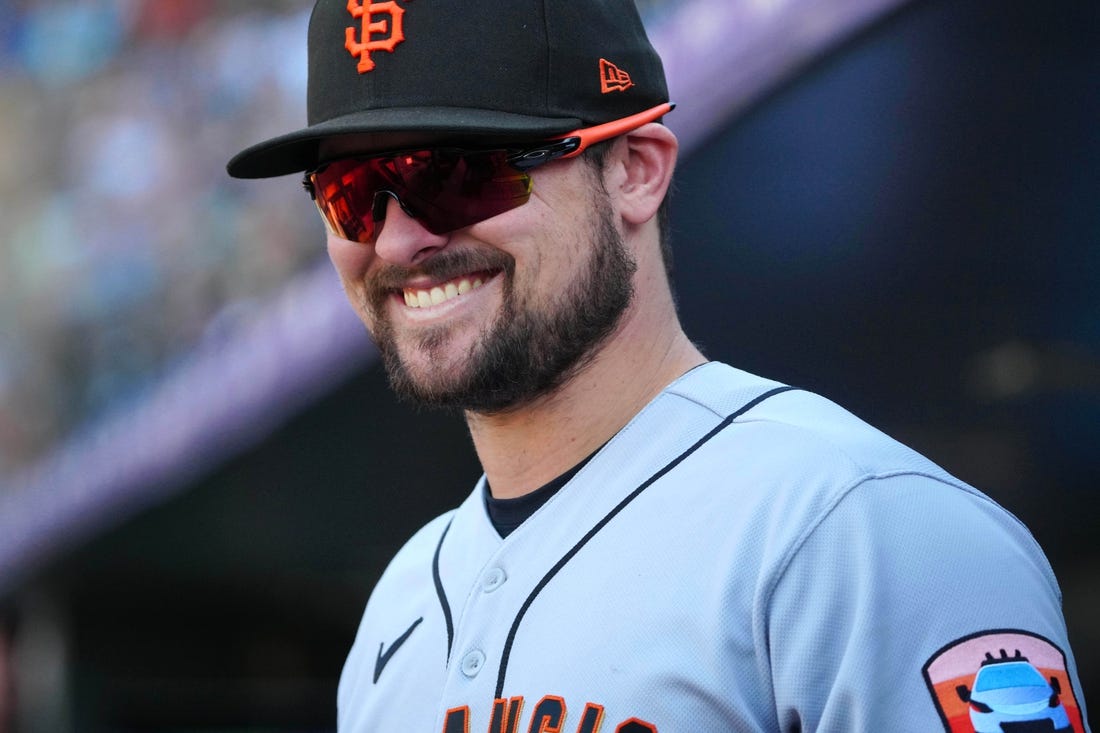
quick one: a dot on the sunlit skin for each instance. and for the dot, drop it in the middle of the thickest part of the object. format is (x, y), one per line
(547, 241)
(540, 272)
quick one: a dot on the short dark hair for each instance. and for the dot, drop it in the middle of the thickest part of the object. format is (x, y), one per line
(596, 155)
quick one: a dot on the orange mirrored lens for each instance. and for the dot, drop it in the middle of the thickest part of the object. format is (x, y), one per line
(443, 189)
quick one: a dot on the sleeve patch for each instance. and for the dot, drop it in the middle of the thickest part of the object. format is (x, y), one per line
(1001, 680)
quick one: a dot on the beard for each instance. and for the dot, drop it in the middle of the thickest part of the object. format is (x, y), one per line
(528, 352)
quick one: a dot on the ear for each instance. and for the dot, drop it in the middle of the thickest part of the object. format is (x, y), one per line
(645, 161)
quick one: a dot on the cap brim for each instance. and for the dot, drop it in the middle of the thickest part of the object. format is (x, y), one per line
(391, 129)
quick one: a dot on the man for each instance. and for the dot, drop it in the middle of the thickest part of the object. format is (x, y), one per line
(659, 542)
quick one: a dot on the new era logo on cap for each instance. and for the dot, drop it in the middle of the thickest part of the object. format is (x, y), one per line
(612, 78)
(383, 71)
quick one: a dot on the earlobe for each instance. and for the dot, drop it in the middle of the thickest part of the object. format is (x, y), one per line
(648, 159)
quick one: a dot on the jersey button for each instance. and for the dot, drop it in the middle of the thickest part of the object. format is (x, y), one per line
(472, 663)
(493, 579)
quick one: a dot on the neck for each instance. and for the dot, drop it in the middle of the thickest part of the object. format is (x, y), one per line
(524, 448)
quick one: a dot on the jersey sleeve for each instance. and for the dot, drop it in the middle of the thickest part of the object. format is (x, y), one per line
(888, 607)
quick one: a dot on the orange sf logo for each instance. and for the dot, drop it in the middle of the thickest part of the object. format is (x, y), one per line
(372, 24)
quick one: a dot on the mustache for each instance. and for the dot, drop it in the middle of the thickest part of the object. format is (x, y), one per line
(444, 265)
(441, 266)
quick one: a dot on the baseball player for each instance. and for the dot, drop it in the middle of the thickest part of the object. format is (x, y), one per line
(658, 542)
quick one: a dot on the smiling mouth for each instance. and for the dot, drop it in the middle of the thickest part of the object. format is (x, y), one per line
(441, 293)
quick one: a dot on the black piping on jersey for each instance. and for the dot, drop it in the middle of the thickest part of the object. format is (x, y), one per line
(600, 525)
(439, 591)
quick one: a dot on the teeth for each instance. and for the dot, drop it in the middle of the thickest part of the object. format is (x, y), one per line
(440, 293)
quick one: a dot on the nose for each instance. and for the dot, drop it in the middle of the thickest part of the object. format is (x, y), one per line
(401, 239)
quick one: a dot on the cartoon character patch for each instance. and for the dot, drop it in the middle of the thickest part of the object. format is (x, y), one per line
(1004, 681)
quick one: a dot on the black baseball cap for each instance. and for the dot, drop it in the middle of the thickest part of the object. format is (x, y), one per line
(404, 73)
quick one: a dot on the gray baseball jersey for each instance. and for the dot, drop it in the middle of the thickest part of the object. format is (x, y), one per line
(740, 557)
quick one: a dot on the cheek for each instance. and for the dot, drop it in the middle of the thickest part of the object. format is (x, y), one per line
(550, 244)
(351, 259)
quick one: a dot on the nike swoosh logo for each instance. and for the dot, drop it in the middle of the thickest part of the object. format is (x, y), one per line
(384, 657)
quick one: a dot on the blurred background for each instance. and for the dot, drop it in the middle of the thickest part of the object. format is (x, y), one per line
(894, 203)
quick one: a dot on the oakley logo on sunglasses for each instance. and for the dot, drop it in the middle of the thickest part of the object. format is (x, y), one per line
(376, 18)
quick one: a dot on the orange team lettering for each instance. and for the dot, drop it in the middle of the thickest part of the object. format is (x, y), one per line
(458, 720)
(391, 22)
(548, 717)
(505, 718)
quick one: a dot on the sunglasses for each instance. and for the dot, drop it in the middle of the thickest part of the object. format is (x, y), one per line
(445, 189)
